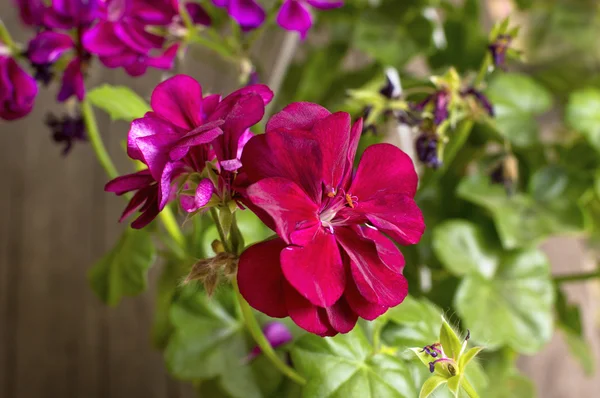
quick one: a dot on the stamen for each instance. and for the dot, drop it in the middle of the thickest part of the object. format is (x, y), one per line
(450, 367)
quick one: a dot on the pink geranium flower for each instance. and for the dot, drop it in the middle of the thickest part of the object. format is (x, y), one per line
(177, 138)
(247, 13)
(17, 89)
(333, 261)
(295, 15)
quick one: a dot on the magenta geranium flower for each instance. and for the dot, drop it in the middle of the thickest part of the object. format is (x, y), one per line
(17, 89)
(333, 261)
(295, 15)
(175, 141)
(123, 38)
(248, 13)
(47, 47)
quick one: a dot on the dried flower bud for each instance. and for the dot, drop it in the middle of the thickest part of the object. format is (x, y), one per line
(427, 150)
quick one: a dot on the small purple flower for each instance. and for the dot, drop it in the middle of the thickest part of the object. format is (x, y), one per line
(481, 98)
(277, 334)
(498, 50)
(427, 150)
(67, 129)
(248, 13)
(17, 90)
(295, 15)
(439, 102)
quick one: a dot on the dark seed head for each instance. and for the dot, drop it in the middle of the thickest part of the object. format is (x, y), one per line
(66, 129)
(427, 150)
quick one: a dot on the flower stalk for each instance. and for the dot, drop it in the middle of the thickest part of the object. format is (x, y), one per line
(579, 277)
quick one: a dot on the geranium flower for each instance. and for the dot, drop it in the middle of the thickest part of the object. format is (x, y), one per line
(248, 13)
(122, 37)
(17, 89)
(333, 261)
(295, 15)
(47, 47)
(175, 138)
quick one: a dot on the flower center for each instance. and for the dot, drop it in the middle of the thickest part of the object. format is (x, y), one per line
(333, 204)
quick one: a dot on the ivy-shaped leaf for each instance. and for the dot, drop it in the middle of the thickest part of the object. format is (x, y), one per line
(120, 102)
(514, 307)
(209, 341)
(521, 221)
(123, 271)
(517, 99)
(583, 114)
(462, 248)
(344, 366)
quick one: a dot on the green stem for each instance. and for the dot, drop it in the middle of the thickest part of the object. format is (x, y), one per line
(6, 38)
(261, 340)
(468, 388)
(583, 276)
(483, 70)
(166, 216)
(220, 230)
(96, 140)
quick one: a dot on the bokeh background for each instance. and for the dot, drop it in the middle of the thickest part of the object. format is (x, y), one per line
(58, 340)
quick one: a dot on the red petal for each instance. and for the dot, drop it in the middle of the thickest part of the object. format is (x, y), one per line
(260, 278)
(306, 315)
(384, 168)
(297, 116)
(374, 280)
(316, 270)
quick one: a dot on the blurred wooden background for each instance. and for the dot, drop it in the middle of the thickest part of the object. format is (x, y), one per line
(56, 338)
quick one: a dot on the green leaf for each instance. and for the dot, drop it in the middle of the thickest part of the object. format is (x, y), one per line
(450, 341)
(123, 270)
(210, 341)
(569, 315)
(414, 323)
(454, 385)
(509, 384)
(431, 384)
(120, 102)
(517, 99)
(467, 357)
(520, 220)
(583, 114)
(515, 307)
(462, 248)
(344, 366)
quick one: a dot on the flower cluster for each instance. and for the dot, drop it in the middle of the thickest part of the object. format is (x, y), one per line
(176, 140)
(293, 15)
(335, 258)
(132, 34)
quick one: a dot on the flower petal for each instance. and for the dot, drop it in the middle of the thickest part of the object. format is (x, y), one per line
(333, 134)
(396, 215)
(374, 280)
(198, 14)
(364, 308)
(17, 90)
(129, 182)
(341, 316)
(297, 116)
(316, 270)
(101, 40)
(248, 13)
(386, 249)
(384, 168)
(48, 46)
(179, 100)
(72, 82)
(260, 279)
(306, 315)
(286, 203)
(294, 16)
(325, 4)
(148, 125)
(289, 154)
